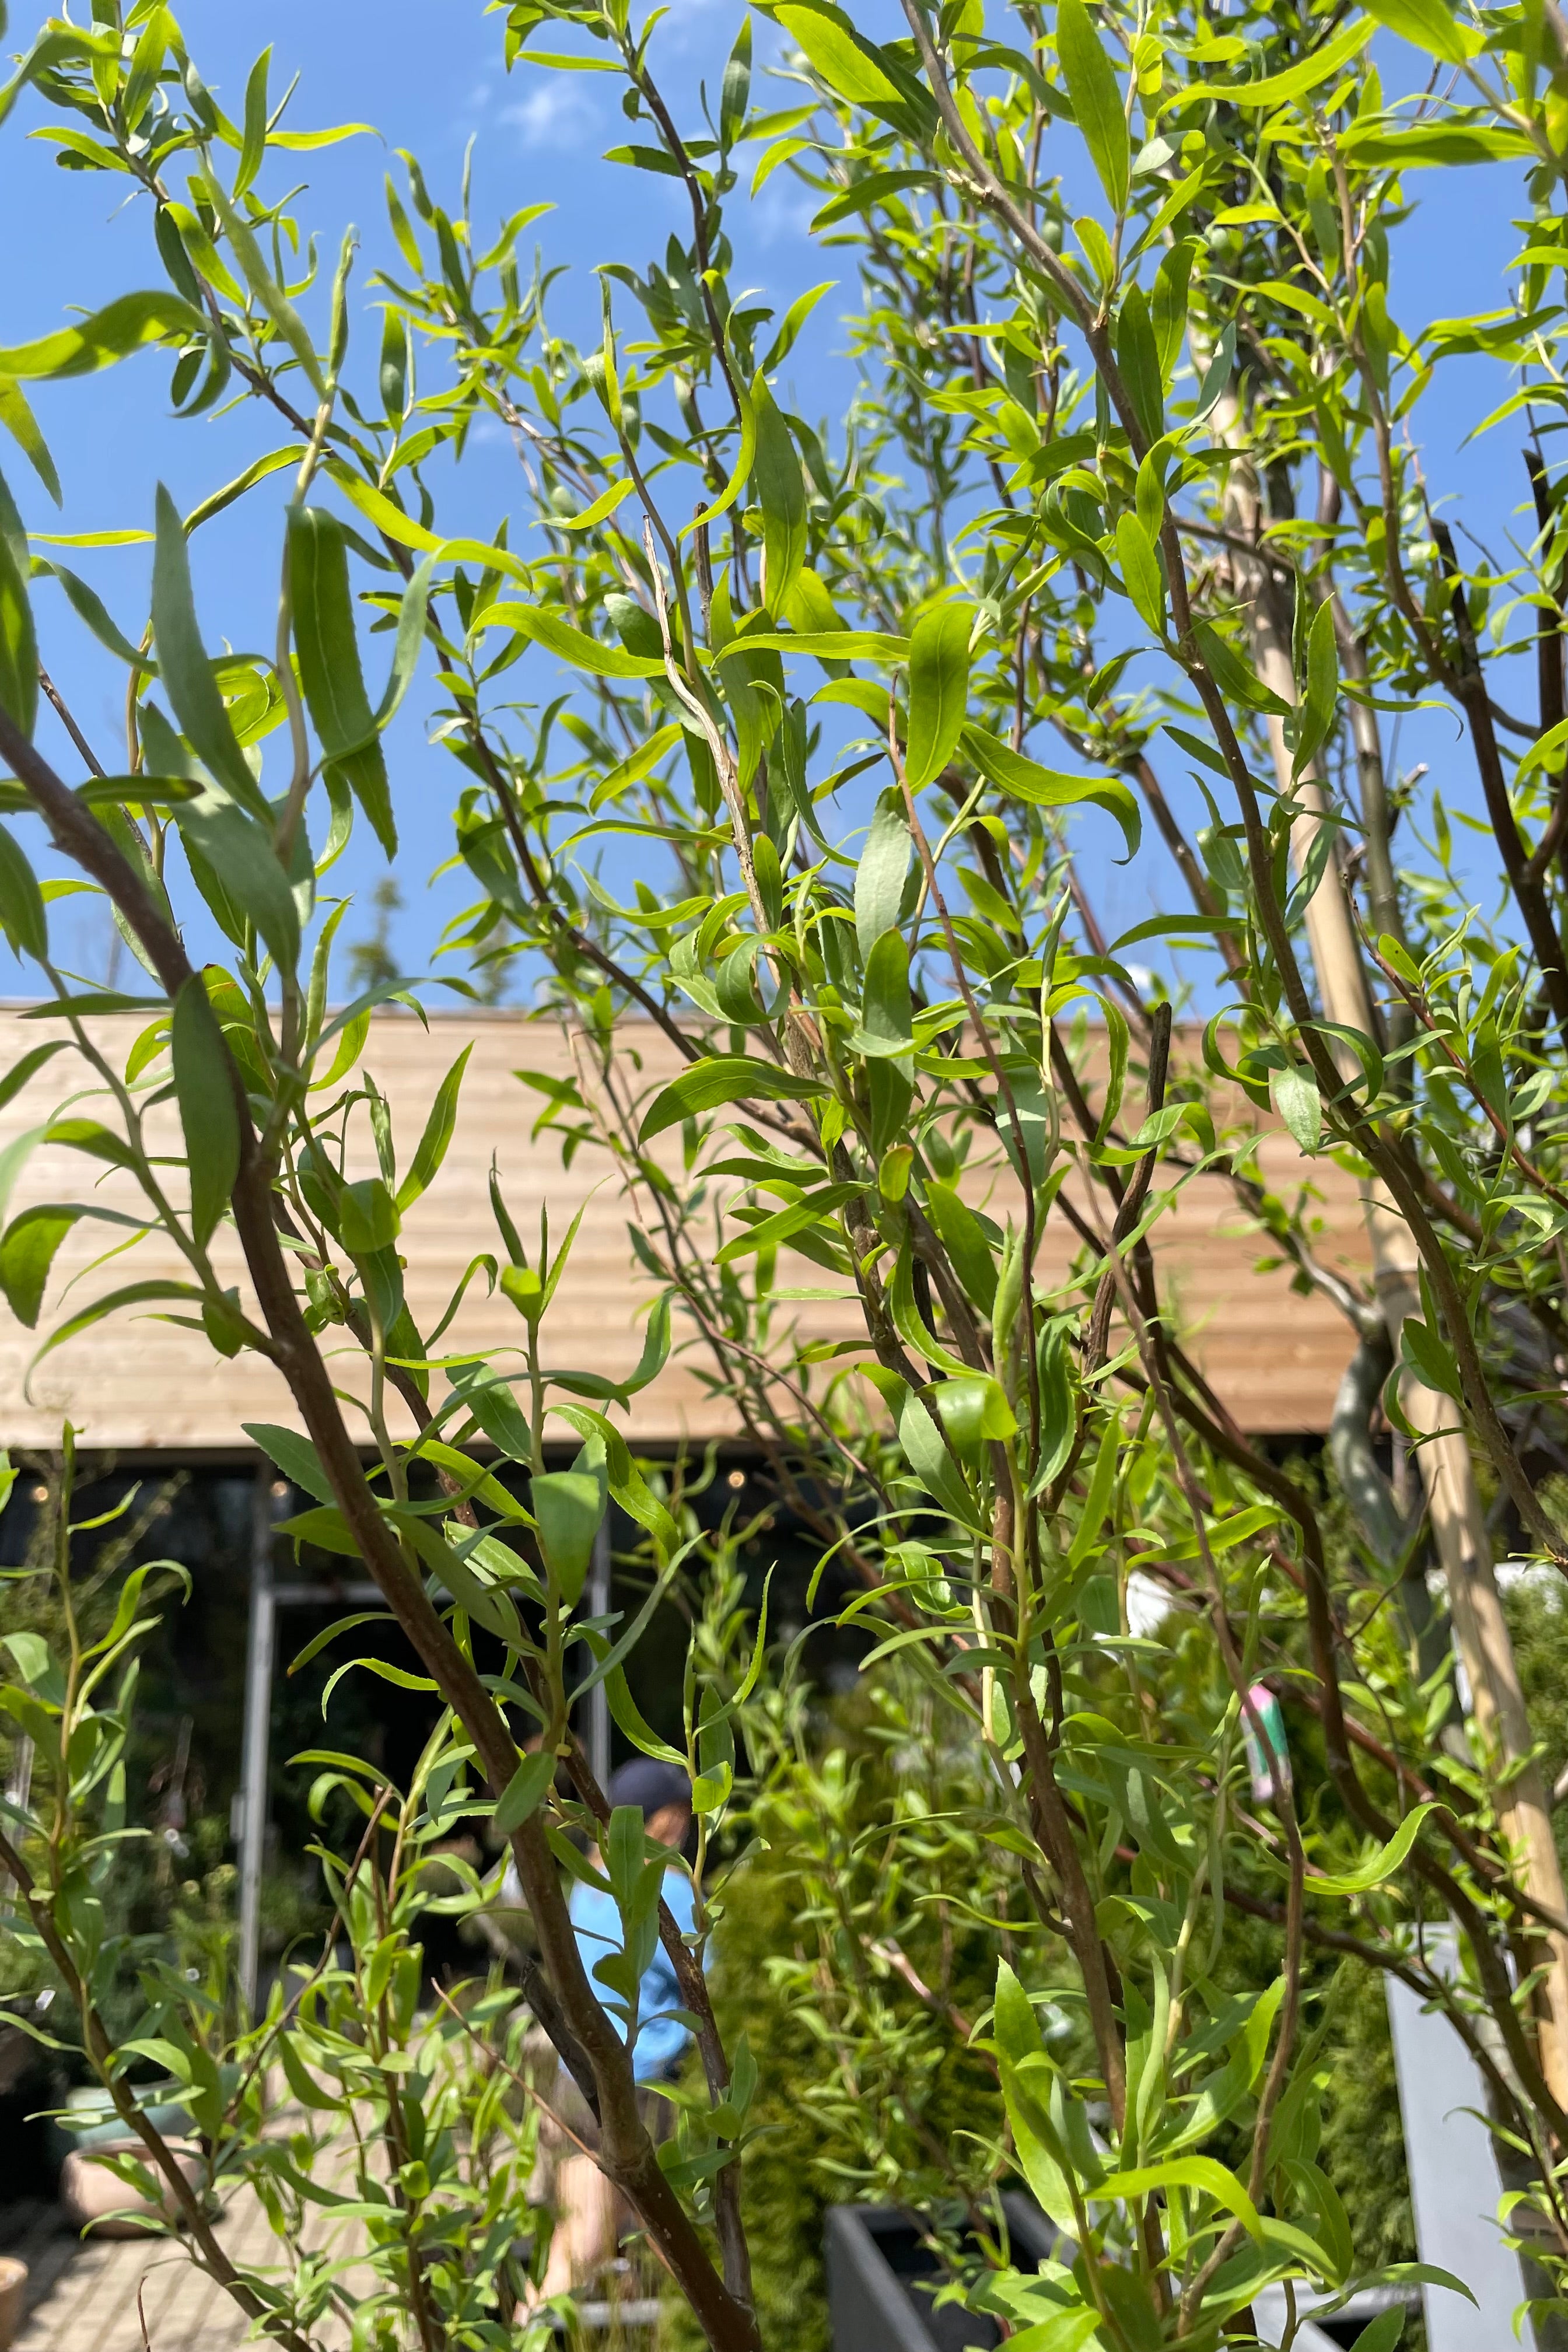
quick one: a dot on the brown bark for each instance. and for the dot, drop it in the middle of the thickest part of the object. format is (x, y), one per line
(628, 2156)
(1530, 895)
(1459, 1525)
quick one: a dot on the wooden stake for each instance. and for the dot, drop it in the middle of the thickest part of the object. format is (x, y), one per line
(1447, 1472)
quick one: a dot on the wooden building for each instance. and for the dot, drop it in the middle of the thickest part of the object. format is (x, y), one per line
(143, 1390)
(151, 1402)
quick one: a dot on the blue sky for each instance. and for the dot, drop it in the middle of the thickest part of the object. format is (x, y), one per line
(428, 73)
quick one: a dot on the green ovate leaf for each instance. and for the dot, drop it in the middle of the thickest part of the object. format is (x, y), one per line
(888, 1018)
(438, 1131)
(524, 1792)
(1013, 773)
(295, 1457)
(847, 63)
(1095, 96)
(18, 642)
(571, 645)
(26, 1253)
(1141, 572)
(330, 671)
(724, 1078)
(780, 487)
(23, 426)
(186, 671)
(1294, 1094)
(22, 915)
(568, 1506)
(939, 691)
(1432, 25)
(235, 867)
(1295, 81)
(204, 1085)
(882, 872)
(127, 324)
(1320, 703)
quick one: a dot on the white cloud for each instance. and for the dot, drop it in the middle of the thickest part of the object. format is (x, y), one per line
(557, 112)
(782, 213)
(683, 28)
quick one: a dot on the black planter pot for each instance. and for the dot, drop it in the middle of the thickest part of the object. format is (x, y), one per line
(876, 2262)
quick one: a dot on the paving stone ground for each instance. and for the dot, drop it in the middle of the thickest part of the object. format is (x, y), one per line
(81, 2293)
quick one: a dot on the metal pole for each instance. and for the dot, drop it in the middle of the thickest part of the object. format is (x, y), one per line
(257, 1728)
(598, 1697)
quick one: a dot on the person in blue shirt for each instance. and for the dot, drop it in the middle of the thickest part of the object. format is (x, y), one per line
(588, 2208)
(662, 1794)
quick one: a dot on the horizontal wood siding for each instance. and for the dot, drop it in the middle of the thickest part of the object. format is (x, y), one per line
(138, 1385)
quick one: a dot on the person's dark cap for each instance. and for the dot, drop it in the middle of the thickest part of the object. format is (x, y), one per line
(649, 1785)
